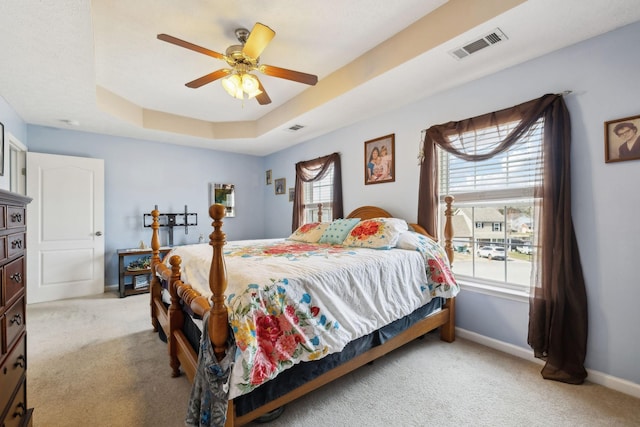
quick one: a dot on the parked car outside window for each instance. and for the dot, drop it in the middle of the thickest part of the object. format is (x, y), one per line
(526, 249)
(492, 252)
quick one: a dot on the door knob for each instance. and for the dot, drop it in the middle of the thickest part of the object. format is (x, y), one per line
(98, 233)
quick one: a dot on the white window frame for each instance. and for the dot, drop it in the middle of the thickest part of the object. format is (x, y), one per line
(504, 197)
(315, 189)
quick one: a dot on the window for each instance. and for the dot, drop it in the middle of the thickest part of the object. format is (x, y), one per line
(495, 206)
(319, 192)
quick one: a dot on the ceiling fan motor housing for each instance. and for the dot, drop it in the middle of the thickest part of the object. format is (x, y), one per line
(242, 34)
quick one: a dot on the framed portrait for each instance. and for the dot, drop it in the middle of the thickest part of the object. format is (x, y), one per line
(280, 186)
(379, 160)
(292, 193)
(622, 139)
(1, 149)
(267, 175)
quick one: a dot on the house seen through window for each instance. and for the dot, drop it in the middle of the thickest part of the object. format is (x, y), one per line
(319, 192)
(495, 208)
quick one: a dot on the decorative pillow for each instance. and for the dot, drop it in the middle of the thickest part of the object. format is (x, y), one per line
(338, 230)
(376, 233)
(309, 233)
(412, 241)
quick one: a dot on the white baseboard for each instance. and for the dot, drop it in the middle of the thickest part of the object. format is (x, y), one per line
(596, 377)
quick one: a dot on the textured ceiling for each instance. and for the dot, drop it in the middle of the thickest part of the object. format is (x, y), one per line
(98, 65)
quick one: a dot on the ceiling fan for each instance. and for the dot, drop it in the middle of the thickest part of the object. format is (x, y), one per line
(243, 59)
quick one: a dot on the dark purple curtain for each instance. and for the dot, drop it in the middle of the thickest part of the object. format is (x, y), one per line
(558, 301)
(315, 170)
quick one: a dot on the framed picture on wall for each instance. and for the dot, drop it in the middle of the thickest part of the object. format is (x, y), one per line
(292, 194)
(622, 139)
(280, 186)
(268, 177)
(379, 160)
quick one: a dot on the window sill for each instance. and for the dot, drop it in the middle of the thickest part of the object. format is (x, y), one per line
(495, 291)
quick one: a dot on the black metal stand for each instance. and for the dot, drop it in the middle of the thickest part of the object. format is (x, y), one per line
(170, 220)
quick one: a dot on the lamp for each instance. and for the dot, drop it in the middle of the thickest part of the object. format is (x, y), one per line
(237, 85)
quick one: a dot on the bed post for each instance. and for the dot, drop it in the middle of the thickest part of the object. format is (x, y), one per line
(448, 229)
(218, 317)
(154, 285)
(447, 331)
(176, 316)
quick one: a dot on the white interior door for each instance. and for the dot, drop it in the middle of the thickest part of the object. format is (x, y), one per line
(65, 223)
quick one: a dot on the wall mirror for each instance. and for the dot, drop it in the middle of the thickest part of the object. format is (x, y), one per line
(225, 195)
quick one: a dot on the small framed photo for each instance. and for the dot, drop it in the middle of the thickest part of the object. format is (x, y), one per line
(267, 176)
(379, 160)
(292, 193)
(622, 139)
(280, 186)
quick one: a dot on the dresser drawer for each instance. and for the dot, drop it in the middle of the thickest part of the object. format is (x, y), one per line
(12, 370)
(3, 248)
(17, 414)
(3, 218)
(13, 280)
(15, 217)
(16, 243)
(15, 322)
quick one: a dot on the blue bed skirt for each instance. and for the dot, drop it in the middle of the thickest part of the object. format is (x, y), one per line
(306, 371)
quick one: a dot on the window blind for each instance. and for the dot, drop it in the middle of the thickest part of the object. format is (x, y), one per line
(511, 174)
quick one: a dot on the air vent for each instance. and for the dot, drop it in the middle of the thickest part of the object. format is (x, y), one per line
(295, 128)
(488, 40)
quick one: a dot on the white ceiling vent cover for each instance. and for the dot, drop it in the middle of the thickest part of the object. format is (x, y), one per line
(472, 47)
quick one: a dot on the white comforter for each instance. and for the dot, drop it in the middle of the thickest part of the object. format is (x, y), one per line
(291, 301)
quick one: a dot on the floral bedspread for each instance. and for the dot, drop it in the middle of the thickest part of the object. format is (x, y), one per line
(291, 301)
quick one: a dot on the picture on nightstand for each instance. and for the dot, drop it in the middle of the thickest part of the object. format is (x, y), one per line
(141, 281)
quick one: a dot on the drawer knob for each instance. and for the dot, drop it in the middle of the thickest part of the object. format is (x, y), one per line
(21, 410)
(16, 217)
(17, 319)
(16, 277)
(21, 362)
(16, 244)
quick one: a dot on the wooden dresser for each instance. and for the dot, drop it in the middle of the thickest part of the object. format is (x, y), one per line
(14, 410)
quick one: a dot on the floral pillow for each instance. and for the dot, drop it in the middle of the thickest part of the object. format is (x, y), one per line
(376, 233)
(309, 233)
(338, 230)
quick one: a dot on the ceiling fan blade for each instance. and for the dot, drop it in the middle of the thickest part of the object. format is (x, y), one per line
(283, 73)
(259, 38)
(208, 78)
(263, 98)
(174, 40)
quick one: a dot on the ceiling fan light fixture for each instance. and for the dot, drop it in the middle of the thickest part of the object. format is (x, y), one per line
(237, 85)
(251, 85)
(233, 85)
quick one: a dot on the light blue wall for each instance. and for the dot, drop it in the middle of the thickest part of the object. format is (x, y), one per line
(171, 177)
(603, 75)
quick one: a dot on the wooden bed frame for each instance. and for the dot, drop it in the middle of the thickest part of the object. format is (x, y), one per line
(181, 353)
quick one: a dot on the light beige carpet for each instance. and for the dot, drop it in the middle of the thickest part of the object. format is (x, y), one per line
(95, 362)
